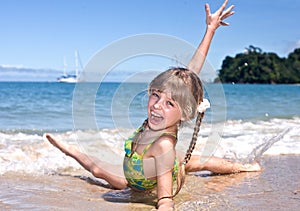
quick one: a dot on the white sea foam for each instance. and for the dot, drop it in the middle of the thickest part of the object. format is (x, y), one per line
(30, 153)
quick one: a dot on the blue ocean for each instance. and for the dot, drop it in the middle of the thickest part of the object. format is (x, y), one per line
(97, 117)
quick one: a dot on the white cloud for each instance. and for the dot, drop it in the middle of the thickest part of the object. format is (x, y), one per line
(294, 46)
(13, 73)
(19, 66)
(297, 44)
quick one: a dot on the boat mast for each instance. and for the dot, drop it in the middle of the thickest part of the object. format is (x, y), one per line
(65, 66)
(76, 63)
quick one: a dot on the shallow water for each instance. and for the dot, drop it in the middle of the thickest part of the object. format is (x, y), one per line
(30, 153)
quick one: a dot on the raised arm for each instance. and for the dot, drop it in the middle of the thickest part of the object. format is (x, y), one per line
(213, 21)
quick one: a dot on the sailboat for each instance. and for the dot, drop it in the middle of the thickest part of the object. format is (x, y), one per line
(70, 78)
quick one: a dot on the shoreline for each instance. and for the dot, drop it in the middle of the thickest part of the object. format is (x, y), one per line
(276, 186)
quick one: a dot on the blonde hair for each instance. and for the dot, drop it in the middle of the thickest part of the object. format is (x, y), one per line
(186, 89)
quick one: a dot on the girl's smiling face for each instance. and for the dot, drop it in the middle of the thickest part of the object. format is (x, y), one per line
(163, 111)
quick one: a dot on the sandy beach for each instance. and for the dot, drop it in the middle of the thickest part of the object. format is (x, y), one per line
(276, 188)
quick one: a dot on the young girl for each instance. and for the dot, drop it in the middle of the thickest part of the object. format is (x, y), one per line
(175, 96)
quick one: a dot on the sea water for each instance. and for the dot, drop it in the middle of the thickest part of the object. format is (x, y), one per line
(243, 122)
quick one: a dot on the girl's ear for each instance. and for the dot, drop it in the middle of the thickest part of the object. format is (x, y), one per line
(179, 124)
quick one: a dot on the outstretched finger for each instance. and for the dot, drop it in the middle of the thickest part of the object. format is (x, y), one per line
(224, 23)
(229, 9)
(224, 16)
(220, 10)
(207, 10)
(228, 12)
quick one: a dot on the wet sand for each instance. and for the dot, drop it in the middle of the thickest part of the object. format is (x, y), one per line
(277, 187)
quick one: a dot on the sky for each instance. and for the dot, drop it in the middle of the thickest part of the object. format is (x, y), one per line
(39, 34)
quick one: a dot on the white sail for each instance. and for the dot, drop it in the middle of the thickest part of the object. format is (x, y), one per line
(68, 78)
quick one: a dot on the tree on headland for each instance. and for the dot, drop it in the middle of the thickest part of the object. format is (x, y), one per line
(256, 66)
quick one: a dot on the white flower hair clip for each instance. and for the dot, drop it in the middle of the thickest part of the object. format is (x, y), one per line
(203, 106)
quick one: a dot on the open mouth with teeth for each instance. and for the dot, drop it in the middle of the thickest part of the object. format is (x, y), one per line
(155, 118)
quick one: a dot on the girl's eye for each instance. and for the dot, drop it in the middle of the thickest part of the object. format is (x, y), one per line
(154, 94)
(170, 103)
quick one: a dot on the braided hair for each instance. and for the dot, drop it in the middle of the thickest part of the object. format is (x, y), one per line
(137, 137)
(181, 171)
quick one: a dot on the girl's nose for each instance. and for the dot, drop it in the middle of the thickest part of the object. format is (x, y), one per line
(157, 105)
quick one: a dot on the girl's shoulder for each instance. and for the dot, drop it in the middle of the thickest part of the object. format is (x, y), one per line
(164, 143)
